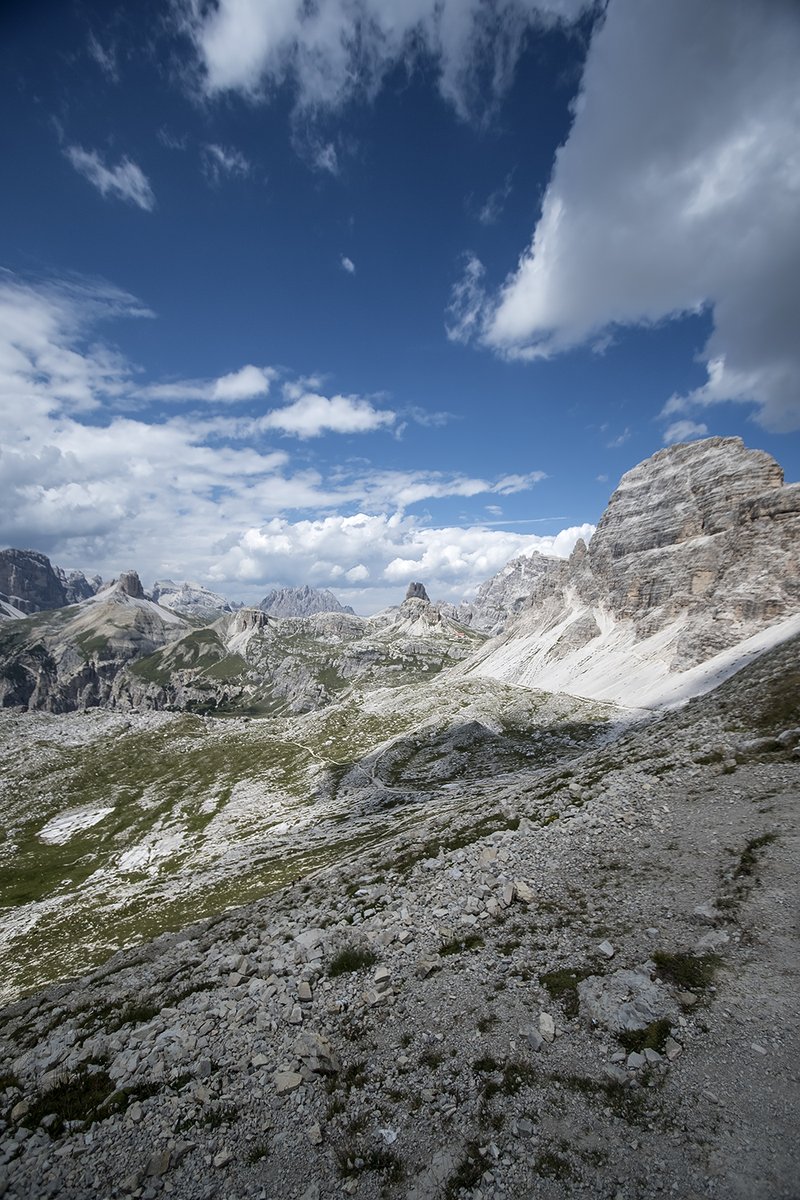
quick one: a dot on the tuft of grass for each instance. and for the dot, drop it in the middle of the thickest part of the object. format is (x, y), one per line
(471, 941)
(687, 971)
(653, 1037)
(219, 1115)
(486, 1022)
(562, 985)
(431, 1058)
(468, 1174)
(749, 856)
(73, 1097)
(553, 1166)
(351, 958)
(257, 1153)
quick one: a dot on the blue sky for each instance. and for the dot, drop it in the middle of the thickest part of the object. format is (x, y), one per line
(383, 289)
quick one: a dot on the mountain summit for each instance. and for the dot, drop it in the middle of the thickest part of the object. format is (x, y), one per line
(694, 563)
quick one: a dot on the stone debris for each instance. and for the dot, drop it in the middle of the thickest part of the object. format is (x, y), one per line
(351, 1035)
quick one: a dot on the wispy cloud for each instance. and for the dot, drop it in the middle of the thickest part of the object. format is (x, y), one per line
(224, 161)
(325, 158)
(105, 57)
(247, 383)
(492, 208)
(348, 265)
(334, 51)
(465, 311)
(126, 181)
(684, 431)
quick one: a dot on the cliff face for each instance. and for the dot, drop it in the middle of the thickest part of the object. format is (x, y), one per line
(697, 552)
(28, 581)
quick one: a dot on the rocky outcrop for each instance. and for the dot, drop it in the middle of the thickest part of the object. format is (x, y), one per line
(29, 583)
(190, 598)
(513, 589)
(76, 586)
(697, 552)
(301, 602)
(416, 591)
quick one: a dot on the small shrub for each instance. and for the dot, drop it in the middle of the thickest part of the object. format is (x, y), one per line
(468, 1174)
(694, 971)
(749, 856)
(552, 1166)
(471, 941)
(562, 985)
(77, 1097)
(350, 959)
(654, 1037)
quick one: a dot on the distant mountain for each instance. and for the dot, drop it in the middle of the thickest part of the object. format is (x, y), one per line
(693, 569)
(30, 583)
(301, 602)
(506, 593)
(190, 598)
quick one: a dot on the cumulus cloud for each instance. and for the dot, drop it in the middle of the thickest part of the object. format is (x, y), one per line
(312, 414)
(222, 161)
(247, 383)
(348, 265)
(85, 478)
(126, 180)
(684, 431)
(389, 550)
(677, 189)
(337, 49)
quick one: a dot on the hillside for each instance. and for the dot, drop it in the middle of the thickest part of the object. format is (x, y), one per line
(544, 972)
(470, 916)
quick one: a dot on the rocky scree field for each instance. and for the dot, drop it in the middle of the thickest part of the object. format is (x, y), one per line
(583, 983)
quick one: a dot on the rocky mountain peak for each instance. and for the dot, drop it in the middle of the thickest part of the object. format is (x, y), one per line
(697, 552)
(130, 584)
(29, 582)
(416, 591)
(249, 618)
(302, 601)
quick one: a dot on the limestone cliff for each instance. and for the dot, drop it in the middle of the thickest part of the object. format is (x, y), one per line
(697, 553)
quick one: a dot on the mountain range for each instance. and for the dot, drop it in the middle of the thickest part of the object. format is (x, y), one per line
(510, 874)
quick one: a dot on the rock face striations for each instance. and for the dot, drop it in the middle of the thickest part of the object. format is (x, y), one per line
(697, 553)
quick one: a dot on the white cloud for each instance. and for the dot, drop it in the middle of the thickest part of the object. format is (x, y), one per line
(348, 265)
(87, 480)
(219, 161)
(247, 383)
(389, 550)
(126, 181)
(312, 414)
(325, 158)
(243, 384)
(336, 49)
(678, 188)
(684, 431)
